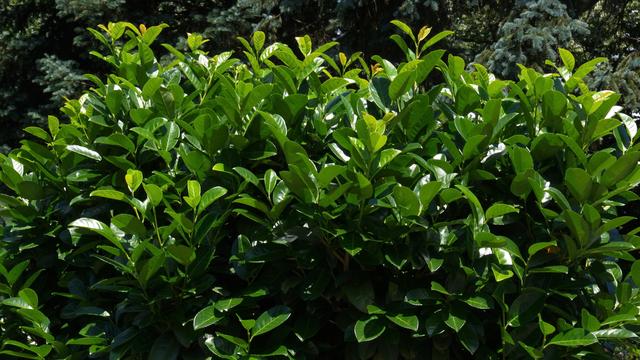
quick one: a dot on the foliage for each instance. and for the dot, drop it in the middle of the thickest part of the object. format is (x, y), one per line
(39, 35)
(300, 205)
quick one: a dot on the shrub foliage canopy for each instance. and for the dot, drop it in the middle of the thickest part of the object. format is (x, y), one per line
(296, 204)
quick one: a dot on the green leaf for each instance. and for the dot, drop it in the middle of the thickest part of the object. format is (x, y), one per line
(614, 334)
(17, 302)
(386, 156)
(258, 40)
(613, 224)
(436, 286)
(405, 28)
(210, 196)
(436, 38)
(554, 269)
(84, 151)
(38, 132)
(635, 272)
(328, 173)
(621, 168)
(206, 317)
(369, 329)
(110, 194)
(193, 189)
(467, 100)
(154, 193)
(533, 249)
(129, 224)
(247, 175)
(479, 302)
(100, 228)
(619, 318)
(407, 201)
(151, 86)
(304, 44)
(554, 106)
(428, 192)
(545, 327)
(532, 351)
(476, 207)
(270, 180)
(270, 320)
(521, 159)
(119, 140)
(133, 178)
(567, 59)
(578, 226)
(401, 84)
(182, 254)
(227, 304)
(573, 338)
(54, 125)
(455, 321)
(497, 210)
(526, 307)
(579, 183)
(588, 321)
(409, 322)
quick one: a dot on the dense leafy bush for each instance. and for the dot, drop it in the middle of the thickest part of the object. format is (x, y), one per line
(299, 205)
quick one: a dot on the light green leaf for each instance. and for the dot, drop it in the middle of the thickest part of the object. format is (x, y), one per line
(405, 28)
(533, 249)
(206, 317)
(100, 228)
(614, 334)
(479, 302)
(573, 338)
(17, 302)
(210, 196)
(270, 320)
(497, 210)
(154, 193)
(84, 151)
(193, 189)
(227, 304)
(406, 321)
(258, 40)
(455, 322)
(567, 59)
(621, 168)
(133, 178)
(29, 296)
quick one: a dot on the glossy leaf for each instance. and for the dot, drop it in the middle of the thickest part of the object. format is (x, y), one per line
(574, 338)
(270, 320)
(369, 329)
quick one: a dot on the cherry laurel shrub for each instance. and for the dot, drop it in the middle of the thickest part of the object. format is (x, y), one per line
(301, 205)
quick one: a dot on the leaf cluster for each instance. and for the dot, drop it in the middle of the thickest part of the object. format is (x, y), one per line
(295, 204)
